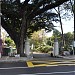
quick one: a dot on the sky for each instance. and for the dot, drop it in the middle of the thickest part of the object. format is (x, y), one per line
(68, 26)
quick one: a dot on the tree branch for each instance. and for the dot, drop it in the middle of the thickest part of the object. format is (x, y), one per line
(25, 4)
(37, 6)
(47, 7)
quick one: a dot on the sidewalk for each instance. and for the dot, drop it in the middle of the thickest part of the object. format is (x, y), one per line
(69, 57)
(37, 57)
(49, 56)
(13, 59)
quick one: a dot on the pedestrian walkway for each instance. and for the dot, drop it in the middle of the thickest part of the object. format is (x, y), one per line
(68, 57)
(35, 57)
(47, 56)
(12, 59)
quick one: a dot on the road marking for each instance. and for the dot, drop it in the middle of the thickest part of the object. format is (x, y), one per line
(50, 63)
(30, 64)
(26, 74)
(57, 72)
(12, 68)
(51, 73)
(53, 61)
(62, 63)
(39, 65)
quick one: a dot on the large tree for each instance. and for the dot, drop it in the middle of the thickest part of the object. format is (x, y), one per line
(17, 16)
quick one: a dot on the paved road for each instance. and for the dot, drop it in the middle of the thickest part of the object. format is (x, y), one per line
(44, 68)
(51, 62)
(59, 70)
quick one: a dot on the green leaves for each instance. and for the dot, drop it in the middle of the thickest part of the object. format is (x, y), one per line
(27, 17)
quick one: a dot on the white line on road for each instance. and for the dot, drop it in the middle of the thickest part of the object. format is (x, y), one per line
(12, 68)
(26, 74)
(50, 73)
(58, 72)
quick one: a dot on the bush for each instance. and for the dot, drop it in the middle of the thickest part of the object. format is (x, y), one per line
(67, 48)
(43, 49)
(10, 42)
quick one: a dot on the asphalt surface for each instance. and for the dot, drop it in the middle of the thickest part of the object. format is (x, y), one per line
(12, 64)
(39, 65)
(59, 70)
(21, 68)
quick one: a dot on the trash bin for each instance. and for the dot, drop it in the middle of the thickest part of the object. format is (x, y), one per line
(6, 51)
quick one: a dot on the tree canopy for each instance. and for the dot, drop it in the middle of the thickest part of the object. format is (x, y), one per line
(17, 17)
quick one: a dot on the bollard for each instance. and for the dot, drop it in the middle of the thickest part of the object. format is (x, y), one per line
(27, 47)
(56, 48)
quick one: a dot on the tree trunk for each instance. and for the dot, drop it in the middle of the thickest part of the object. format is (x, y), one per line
(18, 48)
(23, 34)
(62, 38)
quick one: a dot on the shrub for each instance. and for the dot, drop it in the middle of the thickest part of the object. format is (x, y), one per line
(44, 49)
